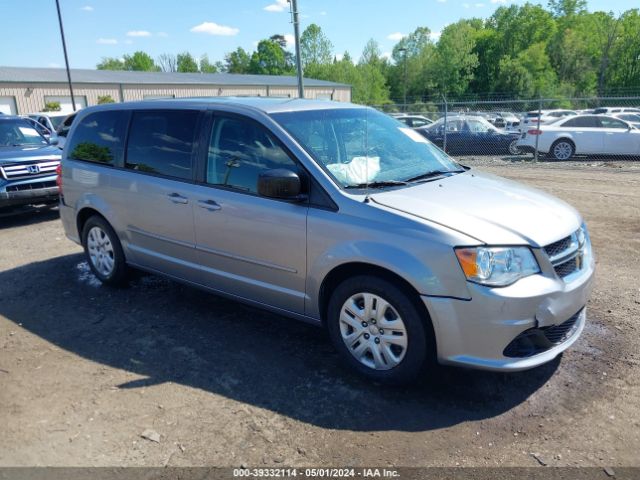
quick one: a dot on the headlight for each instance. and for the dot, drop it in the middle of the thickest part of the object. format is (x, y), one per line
(497, 266)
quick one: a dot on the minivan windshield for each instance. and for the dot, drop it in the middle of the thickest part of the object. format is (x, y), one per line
(362, 147)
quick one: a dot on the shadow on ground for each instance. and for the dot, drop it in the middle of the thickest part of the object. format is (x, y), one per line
(27, 216)
(167, 332)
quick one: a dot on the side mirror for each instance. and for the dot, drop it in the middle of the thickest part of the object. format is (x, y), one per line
(53, 139)
(280, 183)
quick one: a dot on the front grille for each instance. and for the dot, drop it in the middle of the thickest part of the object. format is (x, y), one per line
(539, 340)
(17, 171)
(566, 255)
(558, 247)
(31, 186)
(567, 268)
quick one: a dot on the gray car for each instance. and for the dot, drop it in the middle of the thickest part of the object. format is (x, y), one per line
(28, 164)
(334, 214)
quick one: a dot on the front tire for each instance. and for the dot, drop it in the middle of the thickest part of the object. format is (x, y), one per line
(379, 331)
(104, 252)
(562, 149)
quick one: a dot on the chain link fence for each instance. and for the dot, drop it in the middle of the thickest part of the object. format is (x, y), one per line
(545, 128)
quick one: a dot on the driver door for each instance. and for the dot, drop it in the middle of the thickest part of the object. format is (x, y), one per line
(250, 246)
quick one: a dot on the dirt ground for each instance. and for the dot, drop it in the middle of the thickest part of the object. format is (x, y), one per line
(85, 370)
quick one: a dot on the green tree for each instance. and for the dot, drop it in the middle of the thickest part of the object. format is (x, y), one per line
(567, 8)
(371, 53)
(417, 50)
(237, 61)
(270, 59)
(140, 62)
(455, 59)
(185, 63)
(624, 69)
(102, 99)
(315, 47)
(206, 66)
(110, 63)
(51, 107)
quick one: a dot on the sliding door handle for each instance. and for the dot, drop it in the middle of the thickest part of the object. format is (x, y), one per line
(177, 198)
(210, 205)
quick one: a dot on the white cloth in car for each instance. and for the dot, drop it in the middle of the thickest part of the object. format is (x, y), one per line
(358, 170)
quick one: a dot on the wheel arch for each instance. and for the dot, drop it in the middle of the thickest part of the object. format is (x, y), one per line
(352, 269)
(85, 214)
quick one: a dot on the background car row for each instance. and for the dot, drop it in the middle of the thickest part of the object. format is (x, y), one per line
(558, 133)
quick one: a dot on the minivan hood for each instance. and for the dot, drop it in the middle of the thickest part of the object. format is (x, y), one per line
(28, 153)
(488, 208)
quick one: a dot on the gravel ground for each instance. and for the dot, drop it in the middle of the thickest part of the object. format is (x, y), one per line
(86, 371)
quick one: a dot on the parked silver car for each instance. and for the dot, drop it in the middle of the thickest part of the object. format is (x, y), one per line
(334, 214)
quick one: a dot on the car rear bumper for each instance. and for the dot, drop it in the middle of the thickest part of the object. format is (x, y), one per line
(512, 328)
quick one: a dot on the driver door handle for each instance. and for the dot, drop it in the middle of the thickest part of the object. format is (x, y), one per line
(210, 205)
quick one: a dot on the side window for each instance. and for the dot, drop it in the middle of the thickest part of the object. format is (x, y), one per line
(476, 126)
(239, 150)
(418, 123)
(582, 122)
(612, 123)
(161, 141)
(99, 138)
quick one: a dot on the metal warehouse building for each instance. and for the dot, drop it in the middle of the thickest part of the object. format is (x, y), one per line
(26, 90)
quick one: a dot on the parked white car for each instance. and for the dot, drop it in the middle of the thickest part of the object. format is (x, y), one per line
(509, 120)
(632, 118)
(51, 120)
(413, 121)
(583, 135)
(530, 119)
(610, 110)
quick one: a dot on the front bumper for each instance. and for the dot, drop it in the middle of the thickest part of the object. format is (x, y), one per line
(475, 333)
(29, 192)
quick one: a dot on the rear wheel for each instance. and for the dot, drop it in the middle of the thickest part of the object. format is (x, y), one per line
(513, 148)
(104, 252)
(378, 330)
(562, 149)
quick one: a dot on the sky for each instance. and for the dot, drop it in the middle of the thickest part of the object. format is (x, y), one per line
(111, 28)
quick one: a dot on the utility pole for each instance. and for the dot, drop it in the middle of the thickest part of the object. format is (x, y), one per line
(66, 58)
(296, 32)
(404, 51)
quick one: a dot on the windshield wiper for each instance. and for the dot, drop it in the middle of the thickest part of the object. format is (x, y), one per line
(428, 175)
(378, 184)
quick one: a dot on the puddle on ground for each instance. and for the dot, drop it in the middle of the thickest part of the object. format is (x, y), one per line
(86, 276)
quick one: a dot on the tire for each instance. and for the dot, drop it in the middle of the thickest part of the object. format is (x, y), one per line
(104, 253)
(562, 149)
(358, 342)
(513, 148)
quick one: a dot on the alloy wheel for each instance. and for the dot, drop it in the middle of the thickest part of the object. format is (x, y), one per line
(562, 151)
(101, 251)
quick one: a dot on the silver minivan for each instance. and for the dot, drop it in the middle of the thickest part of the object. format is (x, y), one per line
(334, 214)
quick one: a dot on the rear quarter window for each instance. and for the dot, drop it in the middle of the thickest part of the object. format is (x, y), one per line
(162, 141)
(99, 138)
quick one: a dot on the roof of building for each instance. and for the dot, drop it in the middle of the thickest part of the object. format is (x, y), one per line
(59, 75)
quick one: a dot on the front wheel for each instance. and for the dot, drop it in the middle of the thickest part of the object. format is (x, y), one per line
(104, 252)
(378, 330)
